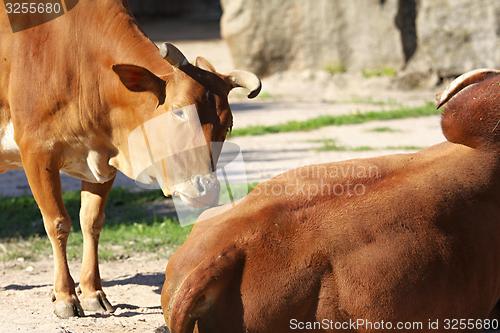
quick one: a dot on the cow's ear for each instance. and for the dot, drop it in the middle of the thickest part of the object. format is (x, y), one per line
(139, 79)
(205, 64)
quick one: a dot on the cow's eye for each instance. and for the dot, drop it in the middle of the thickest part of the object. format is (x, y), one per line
(180, 114)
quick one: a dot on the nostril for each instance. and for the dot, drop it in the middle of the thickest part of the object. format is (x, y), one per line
(198, 182)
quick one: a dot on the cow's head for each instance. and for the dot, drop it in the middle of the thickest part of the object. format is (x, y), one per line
(202, 86)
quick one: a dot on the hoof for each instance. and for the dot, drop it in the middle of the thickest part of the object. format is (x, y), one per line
(97, 303)
(68, 309)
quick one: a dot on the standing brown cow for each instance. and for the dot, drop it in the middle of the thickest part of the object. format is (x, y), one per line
(73, 88)
(411, 238)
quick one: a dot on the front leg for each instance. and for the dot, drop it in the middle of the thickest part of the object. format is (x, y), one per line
(42, 172)
(94, 197)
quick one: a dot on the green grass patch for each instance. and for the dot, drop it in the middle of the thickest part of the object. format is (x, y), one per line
(335, 68)
(403, 148)
(347, 119)
(130, 227)
(265, 95)
(379, 72)
(332, 145)
(373, 101)
(384, 129)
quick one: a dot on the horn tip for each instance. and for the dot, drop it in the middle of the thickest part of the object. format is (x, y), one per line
(440, 100)
(163, 50)
(254, 93)
(173, 55)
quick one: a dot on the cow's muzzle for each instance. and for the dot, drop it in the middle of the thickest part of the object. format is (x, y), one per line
(198, 192)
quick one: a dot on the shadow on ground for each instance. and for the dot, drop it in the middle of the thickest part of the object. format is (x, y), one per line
(22, 287)
(149, 280)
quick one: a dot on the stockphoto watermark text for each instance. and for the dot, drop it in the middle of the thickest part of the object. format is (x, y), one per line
(337, 180)
(458, 325)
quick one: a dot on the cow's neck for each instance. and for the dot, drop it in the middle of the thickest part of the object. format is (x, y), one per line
(122, 42)
(98, 35)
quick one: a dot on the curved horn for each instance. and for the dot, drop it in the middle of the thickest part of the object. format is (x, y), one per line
(173, 55)
(246, 80)
(463, 81)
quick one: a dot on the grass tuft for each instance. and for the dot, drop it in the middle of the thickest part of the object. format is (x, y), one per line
(379, 72)
(130, 227)
(265, 95)
(384, 129)
(335, 68)
(332, 145)
(373, 101)
(347, 119)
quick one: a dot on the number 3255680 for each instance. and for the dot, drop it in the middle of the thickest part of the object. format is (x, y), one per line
(33, 8)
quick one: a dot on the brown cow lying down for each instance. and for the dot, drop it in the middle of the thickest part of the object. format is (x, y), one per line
(401, 238)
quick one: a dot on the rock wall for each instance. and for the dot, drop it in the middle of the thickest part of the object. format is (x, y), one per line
(446, 37)
(457, 35)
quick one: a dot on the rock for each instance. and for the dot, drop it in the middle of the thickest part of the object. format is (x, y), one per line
(161, 329)
(434, 39)
(267, 36)
(62, 330)
(455, 36)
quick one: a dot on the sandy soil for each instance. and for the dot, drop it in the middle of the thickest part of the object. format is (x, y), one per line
(133, 286)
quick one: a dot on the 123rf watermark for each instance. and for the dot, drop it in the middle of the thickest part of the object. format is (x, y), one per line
(459, 325)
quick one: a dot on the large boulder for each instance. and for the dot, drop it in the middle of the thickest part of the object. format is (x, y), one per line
(443, 37)
(455, 36)
(267, 36)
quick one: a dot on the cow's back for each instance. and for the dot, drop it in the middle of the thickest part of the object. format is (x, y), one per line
(57, 64)
(6, 51)
(34, 81)
(9, 158)
(314, 251)
(56, 82)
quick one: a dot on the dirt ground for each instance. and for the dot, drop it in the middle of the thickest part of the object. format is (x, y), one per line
(133, 286)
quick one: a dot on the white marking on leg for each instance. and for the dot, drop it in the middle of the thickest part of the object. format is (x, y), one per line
(99, 167)
(7, 142)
